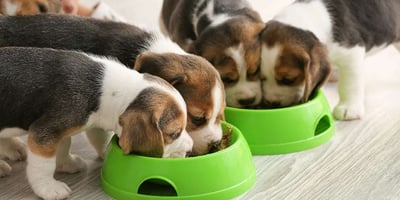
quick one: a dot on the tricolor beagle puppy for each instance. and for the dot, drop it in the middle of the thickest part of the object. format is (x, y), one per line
(224, 32)
(295, 60)
(194, 77)
(29, 7)
(53, 94)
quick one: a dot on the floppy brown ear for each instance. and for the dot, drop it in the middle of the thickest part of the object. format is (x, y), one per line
(167, 66)
(317, 71)
(140, 134)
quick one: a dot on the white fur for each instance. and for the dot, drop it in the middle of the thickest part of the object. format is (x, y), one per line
(173, 150)
(351, 84)
(11, 132)
(5, 168)
(216, 19)
(312, 16)
(99, 139)
(66, 162)
(40, 172)
(207, 11)
(12, 148)
(243, 89)
(163, 44)
(272, 91)
(11, 8)
(212, 132)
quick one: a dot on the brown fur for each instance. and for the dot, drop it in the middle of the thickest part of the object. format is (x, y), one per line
(32, 7)
(185, 72)
(237, 30)
(48, 149)
(149, 123)
(303, 59)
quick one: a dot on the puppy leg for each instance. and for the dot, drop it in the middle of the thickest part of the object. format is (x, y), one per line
(99, 140)
(351, 85)
(41, 166)
(67, 162)
(5, 168)
(12, 148)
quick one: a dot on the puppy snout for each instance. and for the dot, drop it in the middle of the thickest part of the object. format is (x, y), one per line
(188, 153)
(247, 101)
(273, 104)
(214, 146)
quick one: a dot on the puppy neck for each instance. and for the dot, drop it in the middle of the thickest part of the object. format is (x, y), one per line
(308, 15)
(162, 44)
(120, 86)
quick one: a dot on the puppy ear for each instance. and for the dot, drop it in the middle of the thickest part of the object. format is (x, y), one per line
(167, 66)
(317, 71)
(140, 134)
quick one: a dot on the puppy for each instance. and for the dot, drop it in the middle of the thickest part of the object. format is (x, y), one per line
(52, 94)
(295, 62)
(194, 77)
(29, 7)
(226, 33)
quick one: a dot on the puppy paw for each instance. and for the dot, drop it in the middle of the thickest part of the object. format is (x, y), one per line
(12, 149)
(5, 168)
(71, 164)
(51, 189)
(348, 111)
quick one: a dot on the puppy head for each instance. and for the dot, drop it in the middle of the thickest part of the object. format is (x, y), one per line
(201, 87)
(294, 64)
(154, 124)
(233, 47)
(29, 7)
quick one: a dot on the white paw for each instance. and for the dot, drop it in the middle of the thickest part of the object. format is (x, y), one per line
(12, 149)
(51, 189)
(72, 164)
(5, 168)
(345, 111)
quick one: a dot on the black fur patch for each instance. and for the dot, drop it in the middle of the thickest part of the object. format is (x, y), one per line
(99, 37)
(367, 23)
(47, 91)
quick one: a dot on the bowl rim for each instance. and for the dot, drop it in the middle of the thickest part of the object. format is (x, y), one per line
(235, 142)
(317, 96)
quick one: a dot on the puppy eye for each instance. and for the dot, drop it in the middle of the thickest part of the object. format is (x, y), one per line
(228, 80)
(198, 121)
(175, 135)
(42, 8)
(287, 81)
(224, 60)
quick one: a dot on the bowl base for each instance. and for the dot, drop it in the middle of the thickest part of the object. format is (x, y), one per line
(296, 146)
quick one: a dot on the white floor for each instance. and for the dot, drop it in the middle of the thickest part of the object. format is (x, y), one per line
(361, 161)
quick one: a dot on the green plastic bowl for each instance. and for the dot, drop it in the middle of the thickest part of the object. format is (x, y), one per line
(284, 130)
(215, 176)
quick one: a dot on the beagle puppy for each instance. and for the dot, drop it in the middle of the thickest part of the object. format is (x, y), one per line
(29, 7)
(52, 94)
(194, 77)
(295, 60)
(226, 33)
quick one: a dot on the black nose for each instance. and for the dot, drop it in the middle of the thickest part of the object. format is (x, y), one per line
(246, 102)
(188, 153)
(214, 146)
(273, 104)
